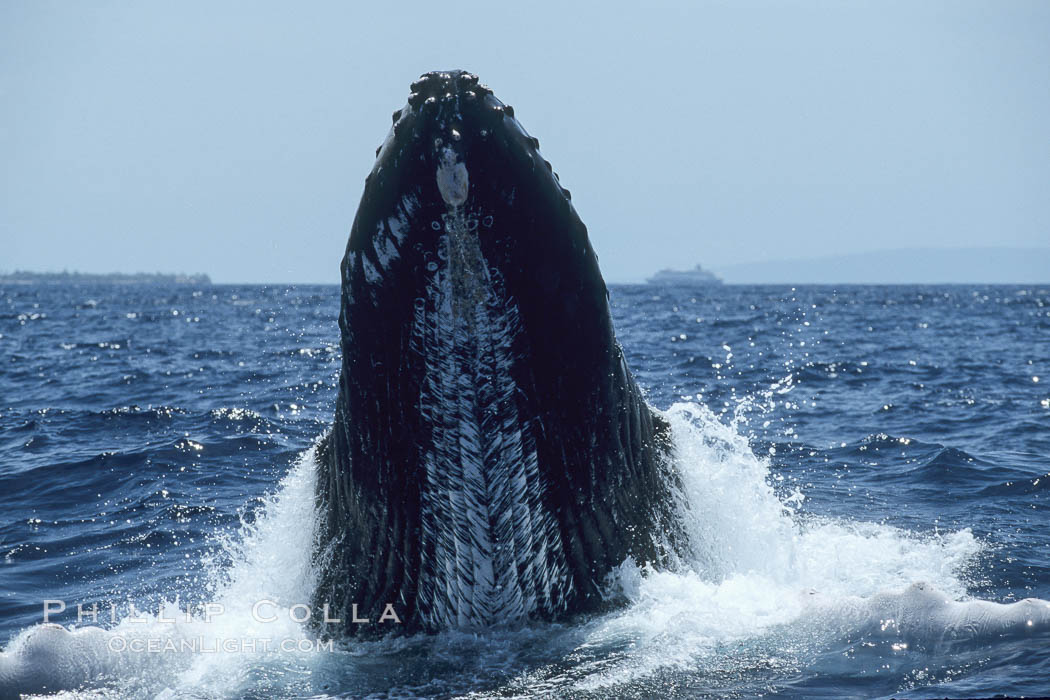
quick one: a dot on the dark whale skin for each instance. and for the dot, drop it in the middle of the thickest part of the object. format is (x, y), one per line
(492, 459)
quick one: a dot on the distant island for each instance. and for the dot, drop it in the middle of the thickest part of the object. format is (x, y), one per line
(65, 277)
(902, 266)
(697, 275)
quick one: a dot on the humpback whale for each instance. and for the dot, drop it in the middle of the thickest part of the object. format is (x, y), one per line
(491, 459)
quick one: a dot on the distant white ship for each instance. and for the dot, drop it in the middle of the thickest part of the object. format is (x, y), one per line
(697, 275)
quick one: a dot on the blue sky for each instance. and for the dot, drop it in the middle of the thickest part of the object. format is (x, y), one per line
(233, 138)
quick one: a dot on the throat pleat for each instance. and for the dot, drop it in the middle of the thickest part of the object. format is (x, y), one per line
(491, 550)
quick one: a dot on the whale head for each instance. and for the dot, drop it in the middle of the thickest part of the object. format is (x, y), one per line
(457, 162)
(487, 431)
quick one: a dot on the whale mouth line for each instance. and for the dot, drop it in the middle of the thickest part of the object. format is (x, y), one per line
(465, 270)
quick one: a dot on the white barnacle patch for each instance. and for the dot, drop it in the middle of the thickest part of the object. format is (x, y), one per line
(409, 205)
(347, 281)
(372, 275)
(386, 249)
(453, 180)
(390, 234)
(398, 228)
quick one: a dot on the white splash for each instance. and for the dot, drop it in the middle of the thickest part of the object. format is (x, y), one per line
(760, 573)
(212, 649)
(760, 576)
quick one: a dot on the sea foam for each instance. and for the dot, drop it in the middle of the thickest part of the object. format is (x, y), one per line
(759, 574)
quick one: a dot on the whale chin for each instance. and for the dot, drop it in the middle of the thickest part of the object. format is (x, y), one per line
(491, 459)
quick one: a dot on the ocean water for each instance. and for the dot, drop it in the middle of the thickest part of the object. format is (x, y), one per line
(865, 473)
